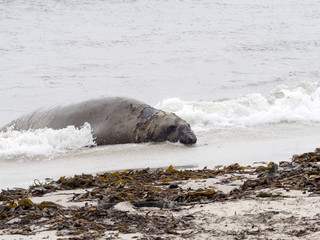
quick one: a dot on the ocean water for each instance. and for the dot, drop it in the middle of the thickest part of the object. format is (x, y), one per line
(245, 74)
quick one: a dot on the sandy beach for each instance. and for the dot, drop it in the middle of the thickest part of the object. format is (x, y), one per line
(266, 201)
(243, 74)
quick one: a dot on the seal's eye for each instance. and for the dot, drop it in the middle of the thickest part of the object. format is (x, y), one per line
(171, 129)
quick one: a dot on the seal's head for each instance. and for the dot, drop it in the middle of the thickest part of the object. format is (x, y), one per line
(159, 126)
(186, 135)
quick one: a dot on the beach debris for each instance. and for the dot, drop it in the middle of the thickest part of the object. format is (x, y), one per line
(147, 189)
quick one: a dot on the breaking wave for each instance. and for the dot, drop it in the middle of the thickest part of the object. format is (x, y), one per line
(283, 104)
(44, 141)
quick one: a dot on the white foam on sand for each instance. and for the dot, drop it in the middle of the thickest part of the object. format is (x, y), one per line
(45, 142)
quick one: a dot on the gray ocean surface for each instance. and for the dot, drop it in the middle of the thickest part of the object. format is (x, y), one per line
(245, 74)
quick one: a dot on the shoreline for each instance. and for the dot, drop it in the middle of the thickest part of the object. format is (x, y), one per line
(255, 144)
(233, 202)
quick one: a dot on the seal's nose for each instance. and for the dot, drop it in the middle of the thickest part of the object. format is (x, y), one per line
(188, 138)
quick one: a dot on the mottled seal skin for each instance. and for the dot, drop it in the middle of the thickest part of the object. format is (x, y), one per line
(113, 121)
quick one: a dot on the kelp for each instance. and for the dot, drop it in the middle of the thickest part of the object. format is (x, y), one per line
(302, 173)
(147, 188)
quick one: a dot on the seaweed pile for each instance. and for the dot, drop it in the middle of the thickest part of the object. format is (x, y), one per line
(161, 188)
(302, 173)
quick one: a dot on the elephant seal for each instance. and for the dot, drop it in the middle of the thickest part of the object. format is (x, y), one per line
(113, 121)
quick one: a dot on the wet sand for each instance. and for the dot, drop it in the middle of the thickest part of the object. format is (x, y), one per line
(220, 147)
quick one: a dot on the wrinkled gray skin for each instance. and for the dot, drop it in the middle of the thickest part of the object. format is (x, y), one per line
(113, 120)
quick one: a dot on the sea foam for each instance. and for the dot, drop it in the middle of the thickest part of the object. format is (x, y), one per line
(283, 104)
(46, 141)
